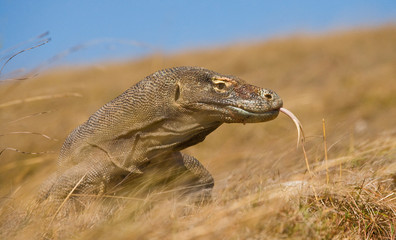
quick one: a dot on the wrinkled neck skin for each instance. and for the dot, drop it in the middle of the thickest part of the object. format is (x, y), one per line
(182, 132)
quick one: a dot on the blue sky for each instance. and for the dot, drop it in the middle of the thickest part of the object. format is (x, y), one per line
(108, 30)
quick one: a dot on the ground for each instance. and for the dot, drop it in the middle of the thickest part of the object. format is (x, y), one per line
(263, 189)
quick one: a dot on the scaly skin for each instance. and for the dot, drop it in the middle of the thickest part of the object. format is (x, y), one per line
(150, 123)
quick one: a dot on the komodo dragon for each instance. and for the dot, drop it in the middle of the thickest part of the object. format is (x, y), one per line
(150, 123)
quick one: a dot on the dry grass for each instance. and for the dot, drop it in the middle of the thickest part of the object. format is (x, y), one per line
(262, 190)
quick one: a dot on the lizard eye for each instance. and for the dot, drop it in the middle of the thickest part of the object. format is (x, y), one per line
(220, 86)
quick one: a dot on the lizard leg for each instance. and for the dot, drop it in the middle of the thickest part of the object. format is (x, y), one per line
(46, 187)
(204, 181)
(86, 178)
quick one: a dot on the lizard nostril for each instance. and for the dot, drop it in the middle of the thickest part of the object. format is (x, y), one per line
(268, 96)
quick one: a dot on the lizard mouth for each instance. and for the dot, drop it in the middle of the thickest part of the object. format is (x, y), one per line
(245, 112)
(237, 114)
(248, 116)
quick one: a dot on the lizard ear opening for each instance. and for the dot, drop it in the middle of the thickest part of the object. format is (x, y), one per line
(177, 92)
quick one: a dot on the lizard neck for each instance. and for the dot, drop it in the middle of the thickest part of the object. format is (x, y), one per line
(159, 138)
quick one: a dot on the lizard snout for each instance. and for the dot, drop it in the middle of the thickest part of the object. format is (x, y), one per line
(268, 94)
(271, 97)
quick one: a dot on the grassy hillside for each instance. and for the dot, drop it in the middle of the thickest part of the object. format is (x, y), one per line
(262, 189)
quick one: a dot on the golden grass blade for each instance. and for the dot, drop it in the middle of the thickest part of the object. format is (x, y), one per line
(23, 152)
(32, 133)
(39, 98)
(20, 78)
(108, 196)
(29, 116)
(325, 150)
(45, 41)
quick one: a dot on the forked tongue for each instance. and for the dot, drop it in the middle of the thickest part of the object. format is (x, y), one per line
(300, 131)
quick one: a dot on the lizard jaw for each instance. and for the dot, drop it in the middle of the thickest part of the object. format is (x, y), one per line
(251, 117)
(234, 114)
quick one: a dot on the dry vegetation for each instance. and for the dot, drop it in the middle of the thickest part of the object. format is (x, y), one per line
(262, 190)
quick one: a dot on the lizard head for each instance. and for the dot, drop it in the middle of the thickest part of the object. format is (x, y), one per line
(225, 98)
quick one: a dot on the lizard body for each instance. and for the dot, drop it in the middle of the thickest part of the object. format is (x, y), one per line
(150, 123)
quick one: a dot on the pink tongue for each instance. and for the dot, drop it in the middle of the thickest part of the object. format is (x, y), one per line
(299, 127)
